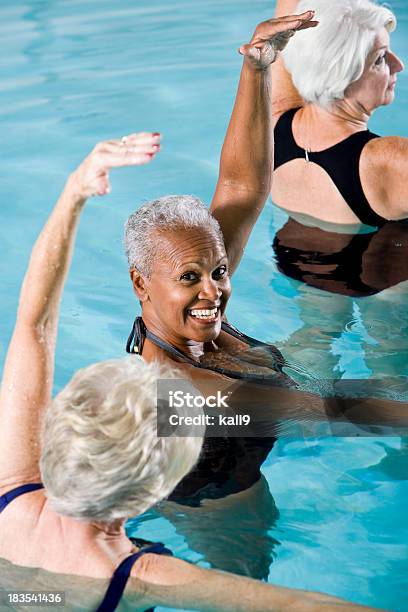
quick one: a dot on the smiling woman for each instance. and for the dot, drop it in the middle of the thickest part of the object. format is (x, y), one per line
(72, 470)
(165, 231)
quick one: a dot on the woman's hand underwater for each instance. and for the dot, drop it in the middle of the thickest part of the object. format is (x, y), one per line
(92, 176)
(272, 36)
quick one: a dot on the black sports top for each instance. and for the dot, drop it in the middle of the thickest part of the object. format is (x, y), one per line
(227, 464)
(341, 162)
(122, 572)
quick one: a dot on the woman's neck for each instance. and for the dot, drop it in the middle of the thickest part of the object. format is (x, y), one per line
(108, 534)
(347, 112)
(151, 351)
(317, 128)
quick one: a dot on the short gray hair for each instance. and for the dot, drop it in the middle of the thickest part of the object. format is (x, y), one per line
(324, 61)
(101, 458)
(168, 213)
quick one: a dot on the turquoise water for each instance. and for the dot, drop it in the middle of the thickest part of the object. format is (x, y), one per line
(74, 72)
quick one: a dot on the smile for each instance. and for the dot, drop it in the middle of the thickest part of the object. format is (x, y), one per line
(204, 314)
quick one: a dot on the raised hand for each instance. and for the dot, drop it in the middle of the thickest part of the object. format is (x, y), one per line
(92, 176)
(272, 36)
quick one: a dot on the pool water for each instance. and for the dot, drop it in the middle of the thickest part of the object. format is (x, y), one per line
(74, 72)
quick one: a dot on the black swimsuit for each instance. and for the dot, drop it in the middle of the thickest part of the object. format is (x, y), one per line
(227, 464)
(140, 332)
(341, 162)
(312, 256)
(122, 572)
(324, 268)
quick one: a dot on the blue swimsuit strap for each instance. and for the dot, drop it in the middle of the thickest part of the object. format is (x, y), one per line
(121, 574)
(25, 488)
(140, 332)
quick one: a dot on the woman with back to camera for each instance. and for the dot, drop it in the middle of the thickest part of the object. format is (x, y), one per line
(328, 165)
(64, 499)
(332, 174)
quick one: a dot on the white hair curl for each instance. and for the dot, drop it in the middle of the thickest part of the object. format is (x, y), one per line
(325, 60)
(101, 458)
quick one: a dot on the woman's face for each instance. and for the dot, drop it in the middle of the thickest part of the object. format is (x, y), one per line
(189, 287)
(376, 85)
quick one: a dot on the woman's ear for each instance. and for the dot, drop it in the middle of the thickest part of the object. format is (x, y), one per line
(139, 285)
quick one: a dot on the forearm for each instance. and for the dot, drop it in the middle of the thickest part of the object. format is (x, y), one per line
(247, 155)
(357, 406)
(206, 590)
(246, 162)
(44, 280)
(29, 367)
(28, 371)
(277, 410)
(286, 7)
(246, 158)
(285, 94)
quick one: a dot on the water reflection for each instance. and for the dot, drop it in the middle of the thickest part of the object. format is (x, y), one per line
(356, 265)
(232, 534)
(343, 333)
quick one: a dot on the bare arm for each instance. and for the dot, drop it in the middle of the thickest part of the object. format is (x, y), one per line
(284, 95)
(247, 155)
(278, 409)
(172, 582)
(29, 369)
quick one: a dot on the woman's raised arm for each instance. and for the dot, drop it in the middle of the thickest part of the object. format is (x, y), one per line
(284, 95)
(247, 155)
(29, 369)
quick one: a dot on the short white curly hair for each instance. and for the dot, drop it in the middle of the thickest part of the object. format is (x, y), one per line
(164, 214)
(324, 61)
(101, 458)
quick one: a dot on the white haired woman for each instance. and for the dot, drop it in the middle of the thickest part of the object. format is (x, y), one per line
(64, 499)
(328, 165)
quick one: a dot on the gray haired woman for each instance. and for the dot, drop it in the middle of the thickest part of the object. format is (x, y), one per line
(74, 469)
(328, 165)
(65, 495)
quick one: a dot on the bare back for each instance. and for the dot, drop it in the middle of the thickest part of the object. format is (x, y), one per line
(304, 187)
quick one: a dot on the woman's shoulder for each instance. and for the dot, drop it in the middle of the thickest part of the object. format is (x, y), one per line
(384, 175)
(278, 110)
(161, 579)
(378, 149)
(22, 504)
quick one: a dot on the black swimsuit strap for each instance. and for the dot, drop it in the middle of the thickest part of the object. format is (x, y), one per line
(340, 161)
(140, 332)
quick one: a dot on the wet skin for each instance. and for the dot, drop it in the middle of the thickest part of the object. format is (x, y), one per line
(190, 272)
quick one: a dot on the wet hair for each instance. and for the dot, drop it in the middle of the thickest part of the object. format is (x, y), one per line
(324, 61)
(169, 213)
(101, 458)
